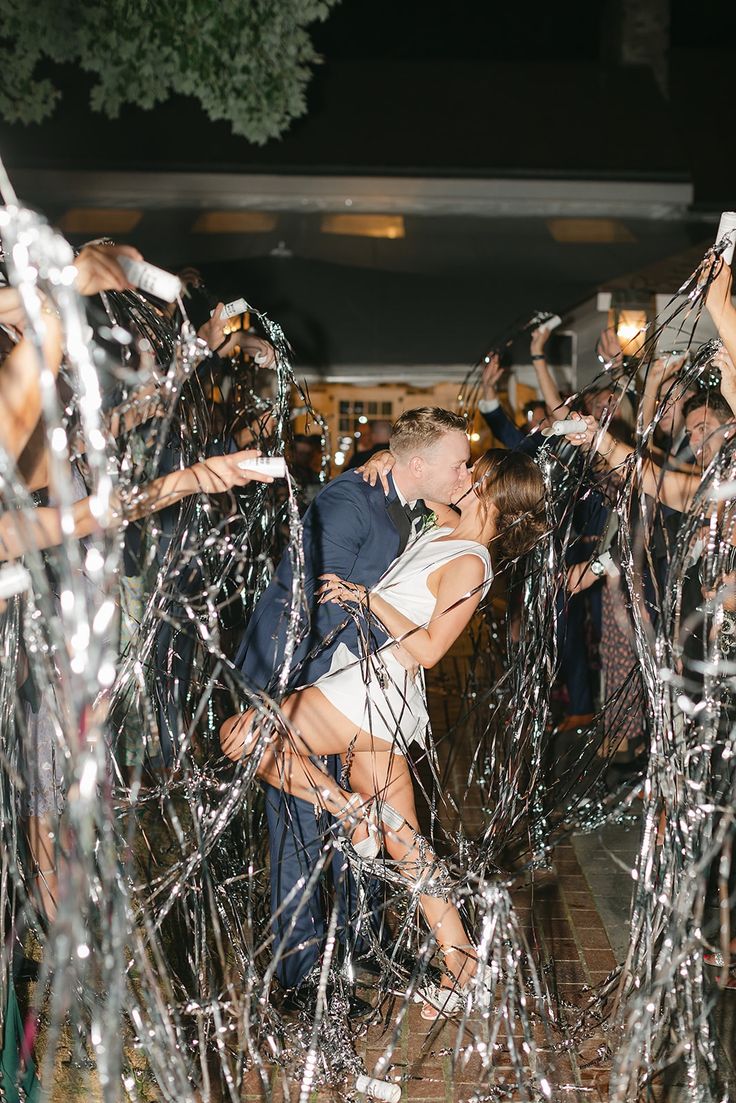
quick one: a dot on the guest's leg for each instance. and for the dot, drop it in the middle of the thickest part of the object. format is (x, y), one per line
(574, 667)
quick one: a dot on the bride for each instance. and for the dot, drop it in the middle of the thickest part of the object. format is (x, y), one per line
(369, 709)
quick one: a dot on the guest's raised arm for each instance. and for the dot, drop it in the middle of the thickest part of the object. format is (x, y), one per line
(547, 385)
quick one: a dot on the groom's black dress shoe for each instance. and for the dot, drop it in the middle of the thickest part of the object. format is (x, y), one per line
(303, 1000)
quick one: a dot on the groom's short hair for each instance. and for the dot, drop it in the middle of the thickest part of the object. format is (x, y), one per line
(417, 430)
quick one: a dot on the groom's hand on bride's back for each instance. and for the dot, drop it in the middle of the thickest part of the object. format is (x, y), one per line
(377, 467)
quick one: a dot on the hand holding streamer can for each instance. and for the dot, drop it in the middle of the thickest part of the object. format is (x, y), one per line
(230, 310)
(266, 465)
(569, 428)
(727, 229)
(154, 281)
(549, 324)
(378, 1089)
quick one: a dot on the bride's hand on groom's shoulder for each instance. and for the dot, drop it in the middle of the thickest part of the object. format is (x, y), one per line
(377, 467)
(338, 591)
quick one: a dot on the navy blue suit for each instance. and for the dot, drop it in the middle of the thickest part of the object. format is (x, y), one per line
(510, 435)
(354, 531)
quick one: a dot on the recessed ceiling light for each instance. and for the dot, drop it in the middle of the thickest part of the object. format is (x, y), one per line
(235, 222)
(99, 220)
(589, 231)
(364, 225)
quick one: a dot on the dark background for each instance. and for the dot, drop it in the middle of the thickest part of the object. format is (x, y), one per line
(541, 91)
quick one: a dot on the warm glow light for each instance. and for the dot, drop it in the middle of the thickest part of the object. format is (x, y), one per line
(364, 225)
(589, 231)
(339, 458)
(475, 437)
(631, 330)
(100, 220)
(235, 222)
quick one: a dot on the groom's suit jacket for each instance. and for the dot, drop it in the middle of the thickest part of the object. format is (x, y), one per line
(352, 530)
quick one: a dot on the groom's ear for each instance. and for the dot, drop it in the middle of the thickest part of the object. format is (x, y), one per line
(416, 466)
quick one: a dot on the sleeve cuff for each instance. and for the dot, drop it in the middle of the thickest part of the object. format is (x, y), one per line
(488, 405)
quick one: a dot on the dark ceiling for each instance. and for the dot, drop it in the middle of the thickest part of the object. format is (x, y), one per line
(474, 90)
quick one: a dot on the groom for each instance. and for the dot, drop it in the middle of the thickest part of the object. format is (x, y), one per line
(355, 531)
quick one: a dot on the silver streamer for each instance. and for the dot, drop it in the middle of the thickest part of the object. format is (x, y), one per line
(156, 973)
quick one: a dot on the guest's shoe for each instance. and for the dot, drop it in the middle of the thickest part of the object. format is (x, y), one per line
(575, 722)
(717, 960)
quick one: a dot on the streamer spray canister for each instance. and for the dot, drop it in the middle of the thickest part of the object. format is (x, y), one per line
(237, 306)
(14, 579)
(154, 281)
(266, 465)
(378, 1089)
(568, 428)
(550, 323)
(727, 229)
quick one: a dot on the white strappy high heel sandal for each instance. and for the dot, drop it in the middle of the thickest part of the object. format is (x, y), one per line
(355, 811)
(440, 1001)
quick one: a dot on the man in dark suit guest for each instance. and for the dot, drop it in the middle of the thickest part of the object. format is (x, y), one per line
(380, 436)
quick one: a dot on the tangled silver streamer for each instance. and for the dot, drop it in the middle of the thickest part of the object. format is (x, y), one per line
(156, 965)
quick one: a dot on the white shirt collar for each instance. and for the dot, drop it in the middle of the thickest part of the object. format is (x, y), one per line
(402, 499)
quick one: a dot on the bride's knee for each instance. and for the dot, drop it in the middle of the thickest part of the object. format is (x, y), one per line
(235, 734)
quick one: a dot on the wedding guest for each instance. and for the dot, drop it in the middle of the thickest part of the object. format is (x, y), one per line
(380, 437)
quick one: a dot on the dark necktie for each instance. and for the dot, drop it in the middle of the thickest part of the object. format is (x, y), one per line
(416, 517)
(417, 512)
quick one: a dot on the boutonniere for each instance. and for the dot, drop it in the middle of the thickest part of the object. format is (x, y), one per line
(428, 522)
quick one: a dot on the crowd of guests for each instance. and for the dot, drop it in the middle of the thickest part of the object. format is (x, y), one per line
(598, 665)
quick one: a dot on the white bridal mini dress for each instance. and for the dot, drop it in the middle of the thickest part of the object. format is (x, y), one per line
(376, 692)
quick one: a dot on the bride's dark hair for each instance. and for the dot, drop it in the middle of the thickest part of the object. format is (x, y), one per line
(512, 482)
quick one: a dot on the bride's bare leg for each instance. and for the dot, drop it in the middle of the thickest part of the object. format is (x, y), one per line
(315, 728)
(318, 728)
(396, 788)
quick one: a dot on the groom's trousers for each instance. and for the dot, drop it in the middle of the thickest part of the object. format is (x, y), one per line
(297, 841)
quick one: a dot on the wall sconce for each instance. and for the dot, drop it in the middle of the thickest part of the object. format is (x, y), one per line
(631, 330)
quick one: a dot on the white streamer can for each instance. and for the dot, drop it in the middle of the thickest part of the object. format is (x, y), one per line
(266, 465)
(154, 281)
(727, 229)
(378, 1089)
(237, 306)
(14, 579)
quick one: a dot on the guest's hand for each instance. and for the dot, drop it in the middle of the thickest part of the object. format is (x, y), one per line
(662, 369)
(220, 473)
(540, 337)
(580, 577)
(723, 362)
(609, 349)
(339, 592)
(718, 298)
(223, 340)
(492, 374)
(11, 308)
(98, 269)
(589, 429)
(377, 467)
